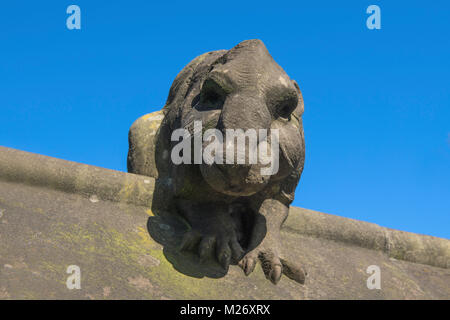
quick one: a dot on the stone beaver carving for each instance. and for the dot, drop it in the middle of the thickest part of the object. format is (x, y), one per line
(234, 212)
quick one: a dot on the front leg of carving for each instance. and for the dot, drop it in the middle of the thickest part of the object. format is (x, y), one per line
(265, 245)
(214, 231)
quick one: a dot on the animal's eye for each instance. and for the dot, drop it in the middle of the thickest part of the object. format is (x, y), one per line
(212, 93)
(285, 111)
(287, 106)
(281, 101)
(211, 96)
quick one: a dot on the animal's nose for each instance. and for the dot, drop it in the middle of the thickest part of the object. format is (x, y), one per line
(237, 176)
(234, 172)
(244, 111)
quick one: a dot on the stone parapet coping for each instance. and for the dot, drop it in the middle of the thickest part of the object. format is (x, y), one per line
(91, 181)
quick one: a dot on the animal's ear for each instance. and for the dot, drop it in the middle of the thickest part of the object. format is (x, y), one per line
(300, 105)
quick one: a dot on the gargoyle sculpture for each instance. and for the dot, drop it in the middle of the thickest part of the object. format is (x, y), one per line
(234, 209)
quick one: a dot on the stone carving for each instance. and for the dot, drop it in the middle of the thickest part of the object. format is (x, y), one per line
(233, 211)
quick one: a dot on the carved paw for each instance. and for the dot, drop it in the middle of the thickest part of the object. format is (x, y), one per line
(223, 245)
(272, 264)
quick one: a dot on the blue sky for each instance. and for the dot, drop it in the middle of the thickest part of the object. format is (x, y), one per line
(377, 102)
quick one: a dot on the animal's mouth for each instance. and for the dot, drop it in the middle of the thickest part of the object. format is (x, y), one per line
(234, 180)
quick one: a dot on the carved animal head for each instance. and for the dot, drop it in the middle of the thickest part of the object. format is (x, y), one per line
(242, 88)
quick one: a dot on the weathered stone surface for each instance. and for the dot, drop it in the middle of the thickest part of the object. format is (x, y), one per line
(396, 244)
(50, 219)
(141, 139)
(68, 176)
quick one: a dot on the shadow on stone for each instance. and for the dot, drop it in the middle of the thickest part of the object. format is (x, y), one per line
(168, 232)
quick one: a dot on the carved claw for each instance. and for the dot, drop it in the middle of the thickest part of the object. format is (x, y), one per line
(206, 247)
(190, 239)
(294, 271)
(236, 249)
(225, 248)
(223, 253)
(247, 264)
(273, 267)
